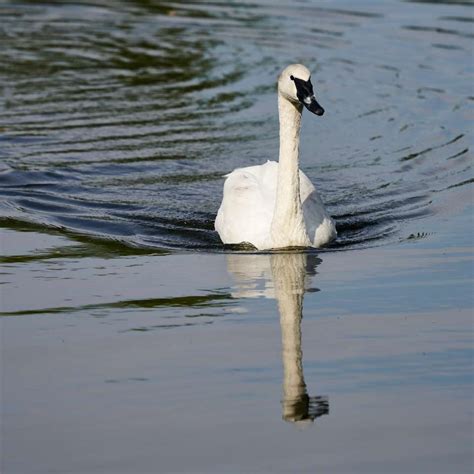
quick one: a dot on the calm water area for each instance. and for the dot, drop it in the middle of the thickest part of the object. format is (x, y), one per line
(133, 341)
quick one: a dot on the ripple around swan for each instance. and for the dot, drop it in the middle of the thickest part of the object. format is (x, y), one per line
(118, 122)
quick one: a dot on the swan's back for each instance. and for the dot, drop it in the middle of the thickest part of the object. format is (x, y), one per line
(248, 204)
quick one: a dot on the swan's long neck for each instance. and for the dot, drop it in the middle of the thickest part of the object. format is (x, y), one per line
(288, 228)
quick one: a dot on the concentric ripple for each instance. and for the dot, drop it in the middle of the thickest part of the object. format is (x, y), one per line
(119, 119)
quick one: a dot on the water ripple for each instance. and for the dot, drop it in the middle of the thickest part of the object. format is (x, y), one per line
(119, 120)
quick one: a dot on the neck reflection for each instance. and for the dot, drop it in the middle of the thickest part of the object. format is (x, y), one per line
(284, 276)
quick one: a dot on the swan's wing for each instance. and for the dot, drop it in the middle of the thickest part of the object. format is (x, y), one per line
(245, 213)
(319, 225)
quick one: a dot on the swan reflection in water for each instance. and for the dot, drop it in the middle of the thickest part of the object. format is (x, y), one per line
(284, 277)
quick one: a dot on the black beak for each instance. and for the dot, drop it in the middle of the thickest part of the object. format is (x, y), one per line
(313, 106)
(305, 94)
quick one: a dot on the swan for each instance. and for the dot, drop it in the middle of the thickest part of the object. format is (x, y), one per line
(275, 205)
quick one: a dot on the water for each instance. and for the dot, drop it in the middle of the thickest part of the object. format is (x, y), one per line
(132, 340)
(120, 123)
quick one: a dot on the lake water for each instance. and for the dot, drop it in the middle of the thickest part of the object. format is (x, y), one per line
(133, 341)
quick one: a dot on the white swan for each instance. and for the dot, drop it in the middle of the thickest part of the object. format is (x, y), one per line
(275, 205)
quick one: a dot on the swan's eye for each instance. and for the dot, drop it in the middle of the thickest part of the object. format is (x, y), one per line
(292, 78)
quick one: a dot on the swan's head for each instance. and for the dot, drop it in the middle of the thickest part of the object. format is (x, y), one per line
(295, 85)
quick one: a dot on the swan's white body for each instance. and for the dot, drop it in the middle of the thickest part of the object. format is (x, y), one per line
(248, 207)
(275, 205)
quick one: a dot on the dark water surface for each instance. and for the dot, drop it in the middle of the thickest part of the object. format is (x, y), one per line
(119, 122)
(132, 341)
